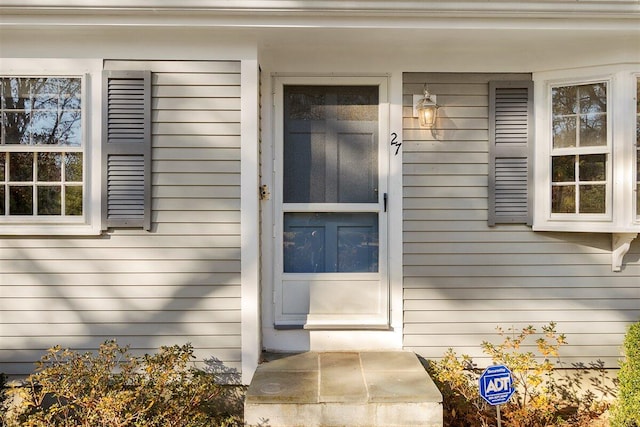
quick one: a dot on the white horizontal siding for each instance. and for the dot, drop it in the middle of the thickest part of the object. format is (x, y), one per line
(462, 278)
(178, 283)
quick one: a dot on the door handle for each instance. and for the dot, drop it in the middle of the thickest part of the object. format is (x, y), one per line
(384, 198)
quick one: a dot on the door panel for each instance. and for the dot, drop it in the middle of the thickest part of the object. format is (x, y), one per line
(330, 231)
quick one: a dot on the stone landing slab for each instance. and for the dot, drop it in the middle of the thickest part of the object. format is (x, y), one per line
(375, 388)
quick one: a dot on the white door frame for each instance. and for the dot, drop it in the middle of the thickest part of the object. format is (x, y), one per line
(389, 332)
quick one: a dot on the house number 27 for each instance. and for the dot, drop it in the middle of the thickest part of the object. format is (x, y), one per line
(395, 142)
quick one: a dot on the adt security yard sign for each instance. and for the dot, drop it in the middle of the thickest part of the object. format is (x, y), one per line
(495, 385)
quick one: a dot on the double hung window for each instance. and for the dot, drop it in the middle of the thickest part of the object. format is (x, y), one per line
(586, 153)
(41, 149)
(74, 148)
(580, 150)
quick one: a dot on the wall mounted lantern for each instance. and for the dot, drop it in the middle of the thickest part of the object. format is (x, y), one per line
(425, 109)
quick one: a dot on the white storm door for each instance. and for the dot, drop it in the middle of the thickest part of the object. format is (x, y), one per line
(330, 246)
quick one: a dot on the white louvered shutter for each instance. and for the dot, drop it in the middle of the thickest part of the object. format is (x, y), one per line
(126, 149)
(510, 141)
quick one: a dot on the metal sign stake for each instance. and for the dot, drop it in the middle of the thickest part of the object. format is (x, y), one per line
(496, 387)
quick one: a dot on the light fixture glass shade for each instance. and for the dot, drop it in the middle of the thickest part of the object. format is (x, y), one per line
(427, 110)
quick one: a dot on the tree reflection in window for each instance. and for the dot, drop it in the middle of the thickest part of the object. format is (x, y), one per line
(580, 149)
(587, 193)
(41, 111)
(580, 115)
(41, 150)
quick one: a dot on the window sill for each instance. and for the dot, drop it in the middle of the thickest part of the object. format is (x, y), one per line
(585, 227)
(49, 230)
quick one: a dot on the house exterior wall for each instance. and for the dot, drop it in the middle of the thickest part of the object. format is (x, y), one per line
(463, 278)
(178, 283)
(195, 276)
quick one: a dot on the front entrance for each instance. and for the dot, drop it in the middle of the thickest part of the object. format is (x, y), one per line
(330, 204)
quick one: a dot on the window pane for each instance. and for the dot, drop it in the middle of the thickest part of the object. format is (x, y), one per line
(359, 103)
(593, 98)
(563, 169)
(49, 200)
(330, 242)
(579, 115)
(357, 168)
(20, 200)
(563, 199)
(357, 249)
(49, 166)
(304, 247)
(15, 97)
(20, 167)
(73, 200)
(305, 103)
(565, 100)
(593, 167)
(73, 167)
(305, 168)
(42, 127)
(15, 127)
(593, 130)
(593, 114)
(330, 144)
(41, 92)
(564, 132)
(592, 199)
(42, 111)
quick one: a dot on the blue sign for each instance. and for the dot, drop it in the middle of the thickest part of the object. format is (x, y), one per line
(496, 385)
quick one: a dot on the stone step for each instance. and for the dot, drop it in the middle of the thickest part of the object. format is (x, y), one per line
(376, 388)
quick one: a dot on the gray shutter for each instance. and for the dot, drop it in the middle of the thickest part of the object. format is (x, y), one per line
(510, 141)
(126, 149)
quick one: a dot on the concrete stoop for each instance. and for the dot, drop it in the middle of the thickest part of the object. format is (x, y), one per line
(377, 388)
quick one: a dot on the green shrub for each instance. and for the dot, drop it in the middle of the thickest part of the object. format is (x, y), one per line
(114, 388)
(626, 411)
(540, 399)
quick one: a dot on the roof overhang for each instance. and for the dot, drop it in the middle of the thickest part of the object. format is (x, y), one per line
(468, 14)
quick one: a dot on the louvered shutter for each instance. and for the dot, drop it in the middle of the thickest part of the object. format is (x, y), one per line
(126, 149)
(510, 140)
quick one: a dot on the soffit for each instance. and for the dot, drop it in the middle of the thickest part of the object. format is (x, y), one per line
(321, 13)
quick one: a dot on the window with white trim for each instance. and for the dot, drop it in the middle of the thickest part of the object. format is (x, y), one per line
(42, 150)
(586, 153)
(580, 150)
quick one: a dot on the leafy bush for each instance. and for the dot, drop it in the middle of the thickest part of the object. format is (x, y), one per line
(540, 399)
(114, 388)
(3, 385)
(626, 411)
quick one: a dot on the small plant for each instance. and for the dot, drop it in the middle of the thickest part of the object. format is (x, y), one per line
(626, 411)
(3, 394)
(539, 399)
(113, 388)
(533, 403)
(457, 380)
